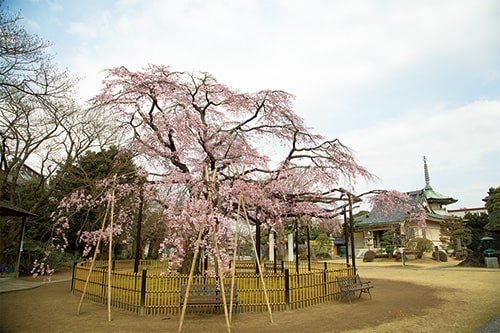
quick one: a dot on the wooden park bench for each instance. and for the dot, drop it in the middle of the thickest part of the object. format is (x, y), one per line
(351, 285)
(208, 294)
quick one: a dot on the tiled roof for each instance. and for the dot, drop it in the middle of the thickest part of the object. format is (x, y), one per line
(425, 196)
(395, 217)
(373, 219)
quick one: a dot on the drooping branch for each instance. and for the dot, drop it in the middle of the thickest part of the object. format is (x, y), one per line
(184, 122)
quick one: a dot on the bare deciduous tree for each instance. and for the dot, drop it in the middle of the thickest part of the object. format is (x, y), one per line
(42, 126)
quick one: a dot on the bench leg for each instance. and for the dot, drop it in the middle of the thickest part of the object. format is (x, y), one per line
(367, 290)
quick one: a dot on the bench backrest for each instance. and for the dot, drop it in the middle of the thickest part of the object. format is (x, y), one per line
(345, 281)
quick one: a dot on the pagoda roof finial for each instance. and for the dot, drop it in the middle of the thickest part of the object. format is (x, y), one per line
(427, 178)
(430, 194)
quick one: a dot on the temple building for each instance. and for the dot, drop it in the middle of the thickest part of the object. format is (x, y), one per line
(372, 226)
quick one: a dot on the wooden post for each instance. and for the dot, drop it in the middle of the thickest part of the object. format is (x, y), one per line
(351, 226)
(287, 287)
(290, 247)
(257, 243)
(274, 252)
(346, 238)
(271, 246)
(308, 249)
(296, 246)
(73, 275)
(143, 290)
(325, 271)
(138, 255)
(20, 247)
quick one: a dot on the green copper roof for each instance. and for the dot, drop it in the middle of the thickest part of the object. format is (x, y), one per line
(430, 194)
(433, 196)
(418, 197)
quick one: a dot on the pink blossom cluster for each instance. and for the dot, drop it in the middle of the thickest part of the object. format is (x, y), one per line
(42, 268)
(125, 202)
(183, 125)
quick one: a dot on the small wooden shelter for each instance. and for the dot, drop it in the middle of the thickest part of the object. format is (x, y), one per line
(7, 209)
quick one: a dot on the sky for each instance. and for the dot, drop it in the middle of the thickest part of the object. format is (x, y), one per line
(393, 80)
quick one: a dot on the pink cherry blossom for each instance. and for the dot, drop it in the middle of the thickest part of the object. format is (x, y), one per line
(182, 125)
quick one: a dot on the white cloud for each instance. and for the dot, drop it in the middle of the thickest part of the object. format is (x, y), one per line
(82, 30)
(457, 142)
(297, 46)
(344, 60)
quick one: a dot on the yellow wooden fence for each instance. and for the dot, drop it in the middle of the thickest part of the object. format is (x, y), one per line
(153, 291)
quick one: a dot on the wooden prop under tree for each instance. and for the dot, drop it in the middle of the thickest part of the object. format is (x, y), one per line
(210, 185)
(110, 253)
(241, 209)
(257, 259)
(109, 209)
(241, 206)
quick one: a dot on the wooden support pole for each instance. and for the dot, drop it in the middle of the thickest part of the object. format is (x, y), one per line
(235, 251)
(195, 256)
(110, 254)
(103, 224)
(190, 279)
(258, 260)
(235, 254)
(217, 253)
(221, 279)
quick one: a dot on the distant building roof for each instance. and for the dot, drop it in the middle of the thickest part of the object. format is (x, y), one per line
(430, 194)
(419, 197)
(465, 210)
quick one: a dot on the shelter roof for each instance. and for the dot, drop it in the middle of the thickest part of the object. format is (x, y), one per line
(7, 209)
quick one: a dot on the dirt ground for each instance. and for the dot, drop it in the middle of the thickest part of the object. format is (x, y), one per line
(420, 297)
